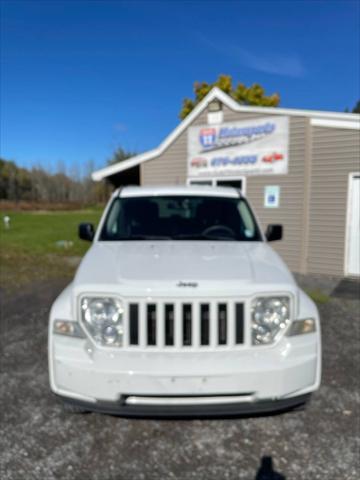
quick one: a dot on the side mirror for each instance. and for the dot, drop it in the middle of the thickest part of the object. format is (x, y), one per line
(86, 231)
(274, 232)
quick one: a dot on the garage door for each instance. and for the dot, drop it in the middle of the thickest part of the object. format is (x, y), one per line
(353, 230)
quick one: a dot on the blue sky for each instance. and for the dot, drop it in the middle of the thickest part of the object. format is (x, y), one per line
(79, 78)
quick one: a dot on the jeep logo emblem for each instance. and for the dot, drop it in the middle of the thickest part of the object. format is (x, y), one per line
(187, 284)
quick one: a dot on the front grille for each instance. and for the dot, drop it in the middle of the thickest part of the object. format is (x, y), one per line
(151, 324)
(187, 319)
(205, 324)
(169, 324)
(184, 324)
(134, 323)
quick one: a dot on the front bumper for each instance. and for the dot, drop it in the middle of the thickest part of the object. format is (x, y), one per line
(260, 380)
(192, 410)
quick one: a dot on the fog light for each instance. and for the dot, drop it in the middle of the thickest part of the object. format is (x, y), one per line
(299, 327)
(110, 335)
(69, 328)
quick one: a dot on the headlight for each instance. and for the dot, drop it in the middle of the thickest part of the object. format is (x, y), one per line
(103, 319)
(269, 317)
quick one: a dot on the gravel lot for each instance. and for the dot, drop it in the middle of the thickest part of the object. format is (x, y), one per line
(39, 441)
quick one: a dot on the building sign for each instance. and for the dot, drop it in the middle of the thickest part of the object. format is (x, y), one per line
(249, 147)
(272, 196)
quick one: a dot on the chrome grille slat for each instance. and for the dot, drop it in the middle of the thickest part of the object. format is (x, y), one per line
(196, 330)
(231, 324)
(213, 324)
(184, 324)
(143, 325)
(126, 326)
(178, 324)
(160, 325)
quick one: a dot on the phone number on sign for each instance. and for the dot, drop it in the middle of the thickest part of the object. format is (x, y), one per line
(243, 160)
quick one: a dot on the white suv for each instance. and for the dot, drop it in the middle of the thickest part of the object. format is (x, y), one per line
(181, 307)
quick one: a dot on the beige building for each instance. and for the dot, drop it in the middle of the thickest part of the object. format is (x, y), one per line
(300, 168)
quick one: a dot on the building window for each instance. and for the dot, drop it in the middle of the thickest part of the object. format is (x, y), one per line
(201, 182)
(238, 182)
(230, 183)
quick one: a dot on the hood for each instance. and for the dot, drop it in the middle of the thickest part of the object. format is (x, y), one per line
(181, 265)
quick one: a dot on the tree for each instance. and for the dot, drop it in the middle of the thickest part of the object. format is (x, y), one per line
(120, 155)
(356, 109)
(38, 185)
(253, 95)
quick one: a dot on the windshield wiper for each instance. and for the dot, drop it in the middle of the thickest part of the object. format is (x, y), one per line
(144, 237)
(201, 236)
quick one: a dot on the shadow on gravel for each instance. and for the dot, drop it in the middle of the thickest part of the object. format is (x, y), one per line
(266, 471)
(347, 288)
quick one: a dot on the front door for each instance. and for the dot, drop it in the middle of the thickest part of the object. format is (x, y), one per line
(353, 231)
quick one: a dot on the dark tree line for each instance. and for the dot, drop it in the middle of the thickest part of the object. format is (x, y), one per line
(355, 109)
(38, 185)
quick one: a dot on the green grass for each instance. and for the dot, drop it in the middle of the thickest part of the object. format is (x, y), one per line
(28, 248)
(36, 233)
(318, 296)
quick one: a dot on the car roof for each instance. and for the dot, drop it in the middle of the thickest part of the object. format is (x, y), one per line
(200, 190)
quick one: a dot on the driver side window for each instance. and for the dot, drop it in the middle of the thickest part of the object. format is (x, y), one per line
(249, 225)
(111, 225)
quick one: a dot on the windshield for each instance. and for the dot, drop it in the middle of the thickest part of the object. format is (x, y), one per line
(180, 218)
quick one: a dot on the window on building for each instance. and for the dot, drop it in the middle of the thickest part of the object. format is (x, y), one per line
(230, 183)
(201, 182)
(238, 182)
